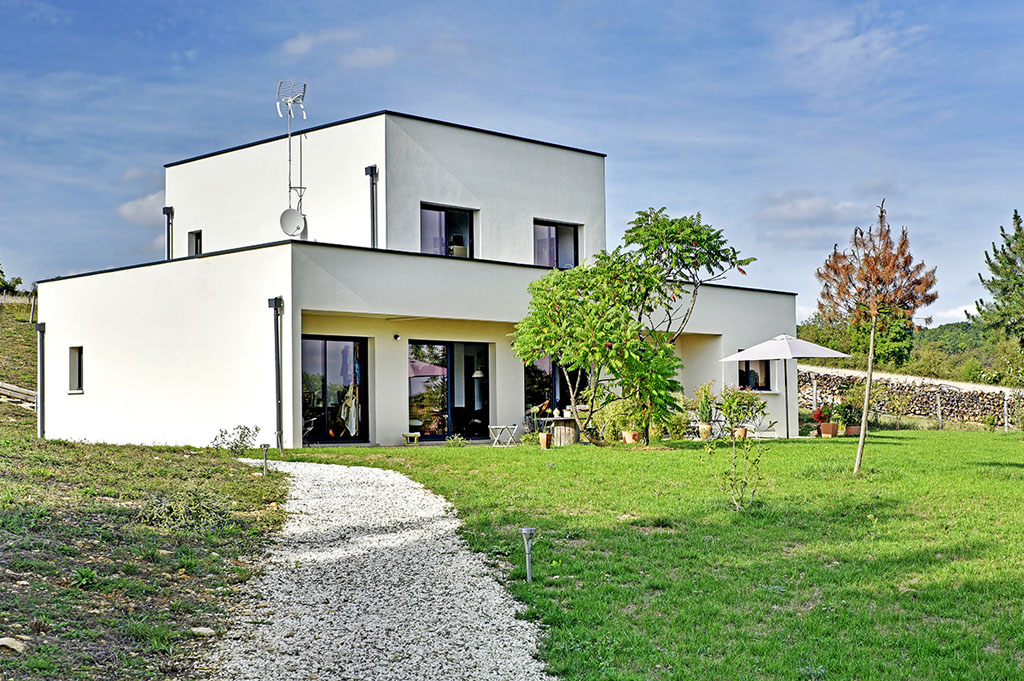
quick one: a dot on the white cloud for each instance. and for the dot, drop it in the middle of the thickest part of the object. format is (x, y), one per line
(804, 208)
(840, 56)
(952, 314)
(146, 211)
(305, 42)
(370, 57)
(133, 174)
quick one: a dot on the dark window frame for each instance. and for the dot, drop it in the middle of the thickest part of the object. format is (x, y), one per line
(743, 369)
(364, 417)
(470, 212)
(575, 227)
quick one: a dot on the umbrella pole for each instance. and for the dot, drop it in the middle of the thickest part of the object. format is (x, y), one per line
(785, 383)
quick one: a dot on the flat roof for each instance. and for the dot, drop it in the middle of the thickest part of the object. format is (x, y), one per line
(322, 244)
(384, 112)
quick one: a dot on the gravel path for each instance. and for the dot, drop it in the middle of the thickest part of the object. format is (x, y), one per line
(368, 580)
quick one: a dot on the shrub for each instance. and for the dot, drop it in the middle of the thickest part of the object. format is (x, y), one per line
(192, 509)
(530, 439)
(455, 441)
(237, 441)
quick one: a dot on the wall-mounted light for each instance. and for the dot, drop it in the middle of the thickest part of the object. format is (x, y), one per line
(397, 337)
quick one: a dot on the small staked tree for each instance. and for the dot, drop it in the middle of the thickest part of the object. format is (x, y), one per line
(1005, 312)
(876, 277)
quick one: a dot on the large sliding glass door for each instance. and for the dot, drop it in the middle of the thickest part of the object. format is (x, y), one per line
(448, 389)
(334, 400)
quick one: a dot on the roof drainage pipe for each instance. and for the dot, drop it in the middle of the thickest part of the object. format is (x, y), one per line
(277, 304)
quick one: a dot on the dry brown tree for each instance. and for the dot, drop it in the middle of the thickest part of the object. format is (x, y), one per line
(874, 275)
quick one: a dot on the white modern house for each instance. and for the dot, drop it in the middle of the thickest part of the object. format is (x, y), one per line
(387, 314)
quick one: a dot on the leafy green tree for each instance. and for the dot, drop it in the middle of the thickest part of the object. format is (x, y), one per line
(1005, 312)
(894, 338)
(674, 257)
(8, 285)
(581, 318)
(611, 325)
(875, 277)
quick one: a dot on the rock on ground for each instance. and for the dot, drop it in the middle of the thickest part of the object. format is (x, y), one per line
(369, 580)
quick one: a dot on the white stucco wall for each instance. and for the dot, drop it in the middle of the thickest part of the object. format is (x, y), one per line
(173, 352)
(509, 182)
(728, 319)
(236, 198)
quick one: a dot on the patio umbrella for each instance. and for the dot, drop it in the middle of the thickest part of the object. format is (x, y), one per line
(784, 347)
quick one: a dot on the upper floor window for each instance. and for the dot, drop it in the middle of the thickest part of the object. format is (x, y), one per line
(446, 231)
(555, 245)
(195, 242)
(756, 374)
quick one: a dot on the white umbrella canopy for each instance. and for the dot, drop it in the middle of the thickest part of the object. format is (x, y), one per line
(782, 347)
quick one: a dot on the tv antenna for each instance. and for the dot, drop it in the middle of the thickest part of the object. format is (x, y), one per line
(291, 95)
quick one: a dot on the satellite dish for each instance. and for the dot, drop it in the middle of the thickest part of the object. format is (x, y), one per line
(292, 222)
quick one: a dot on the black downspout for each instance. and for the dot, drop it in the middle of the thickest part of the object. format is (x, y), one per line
(168, 231)
(41, 378)
(278, 305)
(371, 171)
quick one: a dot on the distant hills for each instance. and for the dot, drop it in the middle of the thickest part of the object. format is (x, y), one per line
(959, 351)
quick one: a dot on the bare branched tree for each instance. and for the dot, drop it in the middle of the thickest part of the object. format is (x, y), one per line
(876, 278)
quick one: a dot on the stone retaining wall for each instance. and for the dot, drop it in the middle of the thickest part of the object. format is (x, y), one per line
(926, 398)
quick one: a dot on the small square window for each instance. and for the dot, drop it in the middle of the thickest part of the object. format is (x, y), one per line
(755, 375)
(446, 231)
(195, 242)
(75, 383)
(555, 245)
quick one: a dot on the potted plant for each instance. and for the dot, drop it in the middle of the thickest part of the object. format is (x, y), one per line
(823, 415)
(705, 408)
(545, 440)
(846, 415)
(629, 415)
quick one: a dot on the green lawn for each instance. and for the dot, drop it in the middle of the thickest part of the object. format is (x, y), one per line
(100, 589)
(17, 346)
(914, 570)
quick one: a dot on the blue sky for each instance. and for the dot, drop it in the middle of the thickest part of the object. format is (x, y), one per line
(783, 123)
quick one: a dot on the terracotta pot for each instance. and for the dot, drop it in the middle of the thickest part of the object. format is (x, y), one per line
(852, 431)
(545, 440)
(631, 437)
(829, 429)
(739, 433)
(705, 431)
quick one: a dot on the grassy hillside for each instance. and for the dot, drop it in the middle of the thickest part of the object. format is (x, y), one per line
(108, 555)
(17, 346)
(910, 571)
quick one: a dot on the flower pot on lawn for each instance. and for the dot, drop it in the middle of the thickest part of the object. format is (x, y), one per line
(829, 429)
(740, 433)
(631, 437)
(705, 431)
(545, 440)
(852, 431)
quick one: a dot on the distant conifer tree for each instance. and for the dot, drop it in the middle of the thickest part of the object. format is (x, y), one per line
(1005, 312)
